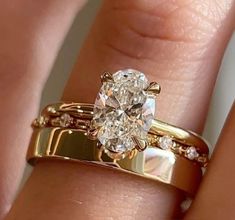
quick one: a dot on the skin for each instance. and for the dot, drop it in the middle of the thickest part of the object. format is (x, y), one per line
(179, 44)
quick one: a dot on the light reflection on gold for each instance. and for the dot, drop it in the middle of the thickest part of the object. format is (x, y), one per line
(153, 163)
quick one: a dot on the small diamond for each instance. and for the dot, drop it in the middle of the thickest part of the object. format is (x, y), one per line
(41, 121)
(165, 142)
(191, 153)
(65, 120)
(50, 109)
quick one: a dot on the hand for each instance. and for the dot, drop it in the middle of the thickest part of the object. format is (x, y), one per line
(179, 44)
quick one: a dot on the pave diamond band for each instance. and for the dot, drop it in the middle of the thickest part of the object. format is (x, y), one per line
(79, 116)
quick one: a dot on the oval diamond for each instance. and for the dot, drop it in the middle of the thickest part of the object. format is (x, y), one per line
(123, 109)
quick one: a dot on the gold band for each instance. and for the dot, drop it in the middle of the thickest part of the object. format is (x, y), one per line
(119, 131)
(79, 115)
(153, 163)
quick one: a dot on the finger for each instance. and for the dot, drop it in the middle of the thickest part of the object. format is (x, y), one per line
(127, 34)
(76, 191)
(31, 35)
(216, 196)
(178, 44)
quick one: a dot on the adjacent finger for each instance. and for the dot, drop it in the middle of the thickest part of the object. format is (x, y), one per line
(176, 43)
(31, 35)
(216, 196)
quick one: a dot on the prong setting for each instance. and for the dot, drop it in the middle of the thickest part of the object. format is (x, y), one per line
(92, 133)
(140, 144)
(121, 105)
(153, 89)
(106, 77)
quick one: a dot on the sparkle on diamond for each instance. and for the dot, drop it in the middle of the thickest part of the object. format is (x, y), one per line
(122, 110)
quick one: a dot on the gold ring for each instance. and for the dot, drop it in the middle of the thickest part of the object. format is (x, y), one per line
(120, 131)
(153, 163)
(165, 136)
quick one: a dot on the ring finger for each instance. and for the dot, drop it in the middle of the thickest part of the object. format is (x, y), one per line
(177, 44)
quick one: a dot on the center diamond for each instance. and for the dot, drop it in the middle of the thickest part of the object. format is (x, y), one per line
(123, 110)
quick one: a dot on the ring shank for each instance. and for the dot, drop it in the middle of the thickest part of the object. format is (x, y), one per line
(85, 111)
(153, 163)
(180, 135)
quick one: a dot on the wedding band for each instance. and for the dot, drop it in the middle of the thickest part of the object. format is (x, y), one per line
(153, 163)
(168, 137)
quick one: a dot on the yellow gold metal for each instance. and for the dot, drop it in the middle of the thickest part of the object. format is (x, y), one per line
(92, 133)
(180, 135)
(82, 114)
(179, 148)
(154, 88)
(153, 163)
(78, 110)
(141, 145)
(106, 77)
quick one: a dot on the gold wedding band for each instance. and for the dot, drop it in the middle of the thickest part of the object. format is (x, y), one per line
(79, 116)
(153, 163)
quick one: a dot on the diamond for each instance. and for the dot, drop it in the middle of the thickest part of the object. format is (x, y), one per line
(51, 109)
(65, 120)
(41, 121)
(165, 142)
(123, 109)
(191, 153)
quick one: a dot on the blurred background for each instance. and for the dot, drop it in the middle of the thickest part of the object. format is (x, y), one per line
(223, 95)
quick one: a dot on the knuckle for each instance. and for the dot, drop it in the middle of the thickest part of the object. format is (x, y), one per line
(136, 29)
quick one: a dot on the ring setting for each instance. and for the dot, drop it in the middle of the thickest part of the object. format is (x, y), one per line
(123, 112)
(120, 131)
(122, 120)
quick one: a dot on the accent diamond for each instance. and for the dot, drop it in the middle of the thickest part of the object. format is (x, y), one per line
(123, 109)
(165, 142)
(65, 120)
(191, 153)
(41, 121)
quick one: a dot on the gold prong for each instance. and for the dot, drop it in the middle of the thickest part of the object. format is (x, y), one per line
(100, 151)
(140, 144)
(106, 77)
(99, 145)
(153, 88)
(132, 154)
(92, 133)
